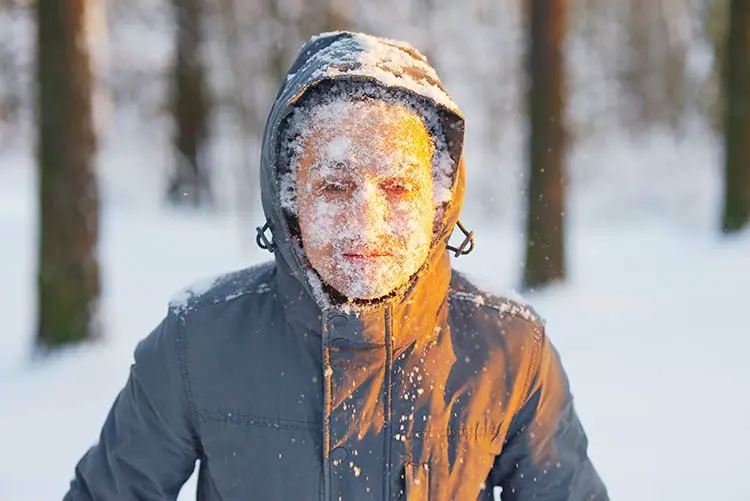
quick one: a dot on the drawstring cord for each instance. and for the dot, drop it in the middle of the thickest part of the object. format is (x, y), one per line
(262, 240)
(467, 246)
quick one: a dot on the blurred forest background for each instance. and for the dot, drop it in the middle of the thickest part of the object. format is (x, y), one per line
(546, 86)
(608, 163)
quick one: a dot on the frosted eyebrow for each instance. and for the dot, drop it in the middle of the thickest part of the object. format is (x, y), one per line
(323, 168)
(412, 170)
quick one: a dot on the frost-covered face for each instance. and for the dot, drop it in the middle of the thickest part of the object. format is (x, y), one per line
(365, 197)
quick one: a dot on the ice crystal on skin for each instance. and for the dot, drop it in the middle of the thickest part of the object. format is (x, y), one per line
(367, 188)
(317, 289)
(322, 113)
(303, 120)
(338, 149)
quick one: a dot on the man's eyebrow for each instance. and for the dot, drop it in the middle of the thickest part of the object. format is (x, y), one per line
(412, 166)
(333, 165)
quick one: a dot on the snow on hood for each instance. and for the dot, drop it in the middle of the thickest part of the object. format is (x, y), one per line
(356, 57)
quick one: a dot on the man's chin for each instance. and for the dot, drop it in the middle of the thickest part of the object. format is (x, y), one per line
(369, 290)
(367, 280)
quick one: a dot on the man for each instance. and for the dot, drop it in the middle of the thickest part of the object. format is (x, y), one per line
(356, 365)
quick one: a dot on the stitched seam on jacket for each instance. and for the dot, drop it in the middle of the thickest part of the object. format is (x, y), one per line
(388, 411)
(328, 405)
(539, 335)
(185, 375)
(538, 341)
(533, 368)
(213, 483)
(247, 420)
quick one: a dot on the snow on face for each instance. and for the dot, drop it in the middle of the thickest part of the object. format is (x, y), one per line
(443, 167)
(364, 195)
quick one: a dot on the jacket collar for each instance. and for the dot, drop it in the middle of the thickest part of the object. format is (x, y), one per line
(407, 318)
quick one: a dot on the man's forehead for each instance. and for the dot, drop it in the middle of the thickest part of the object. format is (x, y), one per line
(385, 141)
(393, 164)
(343, 114)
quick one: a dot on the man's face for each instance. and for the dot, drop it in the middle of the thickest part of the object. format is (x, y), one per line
(365, 196)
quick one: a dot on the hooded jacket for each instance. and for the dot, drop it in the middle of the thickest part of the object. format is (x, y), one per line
(443, 392)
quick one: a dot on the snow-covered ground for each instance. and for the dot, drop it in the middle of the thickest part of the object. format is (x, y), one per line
(652, 327)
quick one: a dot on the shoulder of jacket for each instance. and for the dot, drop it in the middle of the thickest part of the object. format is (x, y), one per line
(463, 291)
(224, 288)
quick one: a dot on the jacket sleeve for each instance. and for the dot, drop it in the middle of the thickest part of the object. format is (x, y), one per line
(545, 455)
(147, 447)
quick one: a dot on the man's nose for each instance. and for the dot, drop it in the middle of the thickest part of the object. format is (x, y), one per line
(372, 210)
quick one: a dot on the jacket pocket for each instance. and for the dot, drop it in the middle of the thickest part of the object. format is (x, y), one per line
(417, 482)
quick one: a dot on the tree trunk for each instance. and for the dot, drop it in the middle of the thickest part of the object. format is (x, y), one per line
(98, 42)
(737, 119)
(545, 252)
(68, 270)
(279, 55)
(321, 16)
(250, 122)
(337, 16)
(716, 29)
(190, 182)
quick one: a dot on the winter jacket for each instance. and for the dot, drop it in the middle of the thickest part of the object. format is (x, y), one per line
(442, 393)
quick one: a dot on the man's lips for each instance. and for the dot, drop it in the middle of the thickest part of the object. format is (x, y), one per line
(365, 255)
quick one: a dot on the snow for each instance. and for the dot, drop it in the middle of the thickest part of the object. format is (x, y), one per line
(519, 308)
(338, 149)
(385, 60)
(652, 328)
(652, 324)
(324, 115)
(320, 295)
(364, 186)
(181, 300)
(472, 298)
(288, 192)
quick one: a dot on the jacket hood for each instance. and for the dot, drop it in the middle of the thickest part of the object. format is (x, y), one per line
(368, 59)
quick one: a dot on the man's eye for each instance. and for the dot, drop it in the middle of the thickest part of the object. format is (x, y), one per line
(334, 187)
(397, 188)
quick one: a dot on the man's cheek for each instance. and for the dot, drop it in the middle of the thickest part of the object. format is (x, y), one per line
(411, 216)
(328, 214)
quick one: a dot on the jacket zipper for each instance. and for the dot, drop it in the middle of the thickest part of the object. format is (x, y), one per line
(387, 403)
(327, 389)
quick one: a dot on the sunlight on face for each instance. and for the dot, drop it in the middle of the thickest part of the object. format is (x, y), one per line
(365, 197)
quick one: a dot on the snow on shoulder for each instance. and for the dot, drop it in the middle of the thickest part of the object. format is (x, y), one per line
(222, 288)
(503, 305)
